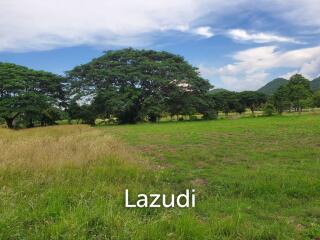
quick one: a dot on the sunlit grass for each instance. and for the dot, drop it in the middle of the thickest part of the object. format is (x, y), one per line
(256, 178)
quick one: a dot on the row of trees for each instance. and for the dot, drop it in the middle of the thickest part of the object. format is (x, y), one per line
(295, 96)
(227, 101)
(130, 86)
(133, 86)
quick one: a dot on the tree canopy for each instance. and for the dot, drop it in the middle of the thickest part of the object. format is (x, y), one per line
(252, 99)
(29, 94)
(295, 95)
(128, 86)
(134, 85)
(227, 101)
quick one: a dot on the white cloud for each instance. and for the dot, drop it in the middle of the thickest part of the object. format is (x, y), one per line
(27, 25)
(251, 68)
(206, 72)
(288, 75)
(250, 82)
(258, 37)
(204, 31)
(311, 69)
(38, 25)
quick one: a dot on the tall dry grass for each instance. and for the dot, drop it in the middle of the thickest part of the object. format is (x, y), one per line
(60, 146)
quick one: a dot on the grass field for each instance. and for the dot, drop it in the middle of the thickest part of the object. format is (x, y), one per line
(256, 178)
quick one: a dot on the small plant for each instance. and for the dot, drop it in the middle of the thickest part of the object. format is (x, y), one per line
(193, 118)
(210, 115)
(268, 110)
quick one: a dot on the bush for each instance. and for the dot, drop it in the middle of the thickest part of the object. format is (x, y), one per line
(268, 110)
(193, 118)
(210, 115)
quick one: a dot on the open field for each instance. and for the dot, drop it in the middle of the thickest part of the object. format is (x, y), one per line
(247, 113)
(256, 178)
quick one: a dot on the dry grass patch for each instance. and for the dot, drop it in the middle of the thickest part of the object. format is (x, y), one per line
(60, 146)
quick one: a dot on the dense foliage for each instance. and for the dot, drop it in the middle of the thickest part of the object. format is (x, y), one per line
(129, 86)
(227, 101)
(134, 85)
(294, 96)
(28, 95)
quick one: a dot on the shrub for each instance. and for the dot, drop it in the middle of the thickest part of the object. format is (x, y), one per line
(193, 118)
(268, 110)
(210, 115)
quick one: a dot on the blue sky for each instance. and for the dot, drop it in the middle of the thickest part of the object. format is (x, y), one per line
(236, 44)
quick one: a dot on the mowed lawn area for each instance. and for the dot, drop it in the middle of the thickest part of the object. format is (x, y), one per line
(255, 178)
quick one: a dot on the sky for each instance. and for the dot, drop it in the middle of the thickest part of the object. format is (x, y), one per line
(236, 44)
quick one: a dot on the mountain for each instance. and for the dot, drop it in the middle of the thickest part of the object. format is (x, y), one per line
(218, 90)
(315, 84)
(272, 86)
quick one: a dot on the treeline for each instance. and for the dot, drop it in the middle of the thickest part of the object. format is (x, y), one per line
(294, 96)
(129, 86)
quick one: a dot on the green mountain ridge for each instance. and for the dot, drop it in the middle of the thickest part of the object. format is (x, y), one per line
(273, 85)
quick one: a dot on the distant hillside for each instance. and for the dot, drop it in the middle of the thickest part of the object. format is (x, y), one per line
(272, 86)
(315, 84)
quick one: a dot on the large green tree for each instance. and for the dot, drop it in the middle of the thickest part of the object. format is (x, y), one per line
(316, 99)
(226, 101)
(252, 99)
(280, 99)
(134, 85)
(27, 93)
(298, 90)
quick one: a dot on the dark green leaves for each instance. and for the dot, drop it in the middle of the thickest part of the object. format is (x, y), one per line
(134, 85)
(26, 93)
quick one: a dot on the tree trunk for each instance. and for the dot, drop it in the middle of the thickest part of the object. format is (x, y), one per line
(30, 123)
(9, 122)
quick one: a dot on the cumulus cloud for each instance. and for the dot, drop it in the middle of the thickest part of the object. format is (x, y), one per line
(258, 37)
(311, 69)
(251, 68)
(204, 31)
(39, 25)
(29, 25)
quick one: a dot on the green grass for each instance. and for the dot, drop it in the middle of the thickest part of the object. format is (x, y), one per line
(256, 178)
